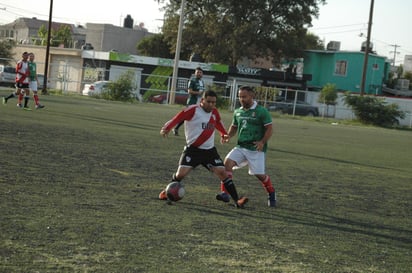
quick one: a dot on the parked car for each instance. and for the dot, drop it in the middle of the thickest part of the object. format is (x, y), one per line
(7, 75)
(95, 88)
(286, 107)
(180, 97)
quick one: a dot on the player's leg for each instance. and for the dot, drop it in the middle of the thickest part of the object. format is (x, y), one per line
(184, 168)
(34, 89)
(234, 158)
(257, 168)
(26, 98)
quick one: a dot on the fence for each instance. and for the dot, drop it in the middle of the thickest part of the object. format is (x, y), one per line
(71, 77)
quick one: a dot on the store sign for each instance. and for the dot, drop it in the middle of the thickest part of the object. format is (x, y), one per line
(241, 69)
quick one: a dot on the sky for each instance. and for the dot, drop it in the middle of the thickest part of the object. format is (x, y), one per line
(345, 21)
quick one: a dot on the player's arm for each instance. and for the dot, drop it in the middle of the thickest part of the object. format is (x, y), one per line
(268, 133)
(185, 114)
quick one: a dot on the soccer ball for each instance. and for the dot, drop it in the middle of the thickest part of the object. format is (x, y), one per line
(175, 191)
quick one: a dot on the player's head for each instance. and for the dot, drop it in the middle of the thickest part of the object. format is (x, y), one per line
(246, 95)
(25, 55)
(208, 101)
(198, 72)
(31, 56)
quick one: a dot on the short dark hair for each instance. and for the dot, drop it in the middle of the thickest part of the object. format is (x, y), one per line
(209, 93)
(199, 68)
(247, 88)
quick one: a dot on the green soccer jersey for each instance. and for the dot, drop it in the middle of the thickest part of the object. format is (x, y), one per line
(195, 84)
(33, 71)
(250, 125)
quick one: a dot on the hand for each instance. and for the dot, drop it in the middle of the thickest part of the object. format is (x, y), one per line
(164, 132)
(259, 145)
(224, 139)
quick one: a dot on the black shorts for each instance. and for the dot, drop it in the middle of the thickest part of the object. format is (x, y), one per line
(192, 157)
(22, 85)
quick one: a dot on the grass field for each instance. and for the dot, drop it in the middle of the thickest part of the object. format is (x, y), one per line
(79, 182)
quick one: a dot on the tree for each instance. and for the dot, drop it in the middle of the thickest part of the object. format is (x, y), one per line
(61, 36)
(154, 45)
(328, 96)
(121, 89)
(373, 110)
(226, 31)
(6, 55)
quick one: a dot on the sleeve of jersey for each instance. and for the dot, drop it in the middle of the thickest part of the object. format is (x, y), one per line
(183, 115)
(219, 124)
(267, 118)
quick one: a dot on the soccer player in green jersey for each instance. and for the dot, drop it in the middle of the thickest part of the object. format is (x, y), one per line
(33, 81)
(253, 125)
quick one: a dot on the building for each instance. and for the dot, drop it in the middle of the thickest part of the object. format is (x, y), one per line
(101, 37)
(107, 37)
(345, 69)
(407, 64)
(26, 31)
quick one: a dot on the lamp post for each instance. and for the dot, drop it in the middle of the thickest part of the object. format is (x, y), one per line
(368, 39)
(177, 55)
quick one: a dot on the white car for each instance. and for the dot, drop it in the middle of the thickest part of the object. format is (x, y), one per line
(7, 75)
(95, 88)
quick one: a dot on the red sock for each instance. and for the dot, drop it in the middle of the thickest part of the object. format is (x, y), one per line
(20, 99)
(36, 99)
(222, 186)
(267, 184)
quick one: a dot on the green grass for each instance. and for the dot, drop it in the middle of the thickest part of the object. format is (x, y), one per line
(79, 182)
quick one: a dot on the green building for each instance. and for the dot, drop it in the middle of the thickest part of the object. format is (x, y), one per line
(344, 69)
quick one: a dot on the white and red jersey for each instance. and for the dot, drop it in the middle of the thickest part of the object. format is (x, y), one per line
(199, 126)
(22, 72)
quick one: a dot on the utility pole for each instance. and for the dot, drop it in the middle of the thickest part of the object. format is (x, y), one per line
(368, 40)
(46, 66)
(177, 54)
(394, 53)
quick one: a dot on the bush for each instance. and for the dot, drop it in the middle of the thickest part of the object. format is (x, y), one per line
(372, 110)
(121, 89)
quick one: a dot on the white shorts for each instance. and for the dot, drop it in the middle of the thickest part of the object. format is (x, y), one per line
(33, 86)
(243, 157)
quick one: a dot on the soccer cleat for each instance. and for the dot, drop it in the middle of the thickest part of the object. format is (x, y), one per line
(39, 106)
(26, 108)
(241, 202)
(163, 195)
(175, 132)
(272, 199)
(4, 100)
(223, 196)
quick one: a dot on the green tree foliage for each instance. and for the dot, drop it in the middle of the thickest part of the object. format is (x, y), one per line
(328, 94)
(373, 110)
(121, 89)
(226, 31)
(6, 55)
(60, 36)
(154, 45)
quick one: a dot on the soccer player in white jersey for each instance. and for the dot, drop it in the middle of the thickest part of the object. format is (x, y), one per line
(200, 122)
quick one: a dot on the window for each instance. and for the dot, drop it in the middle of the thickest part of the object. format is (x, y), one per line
(340, 68)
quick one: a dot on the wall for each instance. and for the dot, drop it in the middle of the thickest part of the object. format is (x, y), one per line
(321, 64)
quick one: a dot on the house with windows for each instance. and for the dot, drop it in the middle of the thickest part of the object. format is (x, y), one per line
(345, 69)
